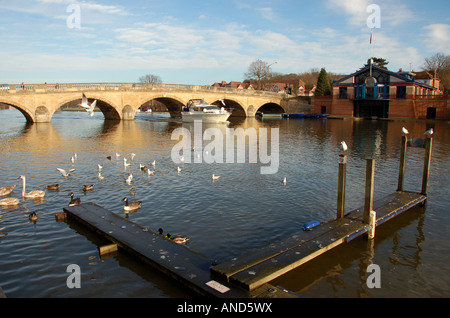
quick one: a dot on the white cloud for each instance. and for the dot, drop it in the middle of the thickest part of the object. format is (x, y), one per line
(437, 37)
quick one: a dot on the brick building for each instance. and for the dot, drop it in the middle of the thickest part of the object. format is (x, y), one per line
(375, 92)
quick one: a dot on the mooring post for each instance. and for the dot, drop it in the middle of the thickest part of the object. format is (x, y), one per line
(370, 215)
(370, 177)
(401, 173)
(341, 186)
(426, 166)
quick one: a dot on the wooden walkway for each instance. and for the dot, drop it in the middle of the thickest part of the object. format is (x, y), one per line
(177, 261)
(250, 274)
(255, 269)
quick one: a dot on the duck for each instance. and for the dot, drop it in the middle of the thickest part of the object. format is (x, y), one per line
(33, 217)
(73, 202)
(53, 187)
(178, 238)
(143, 168)
(214, 177)
(33, 194)
(6, 190)
(9, 202)
(131, 206)
(88, 187)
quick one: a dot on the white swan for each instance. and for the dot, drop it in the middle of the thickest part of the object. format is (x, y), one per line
(33, 194)
(9, 202)
(6, 190)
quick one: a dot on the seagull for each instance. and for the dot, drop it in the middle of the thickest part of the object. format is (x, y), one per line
(125, 164)
(72, 159)
(100, 167)
(100, 177)
(91, 108)
(429, 132)
(214, 177)
(405, 131)
(132, 155)
(117, 155)
(178, 169)
(154, 163)
(84, 102)
(284, 181)
(86, 106)
(64, 173)
(343, 146)
(149, 172)
(222, 101)
(128, 180)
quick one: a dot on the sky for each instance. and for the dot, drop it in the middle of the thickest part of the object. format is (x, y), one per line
(199, 42)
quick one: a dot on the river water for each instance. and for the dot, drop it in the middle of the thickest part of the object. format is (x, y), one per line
(244, 210)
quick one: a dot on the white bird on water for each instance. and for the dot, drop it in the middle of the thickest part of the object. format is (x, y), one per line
(284, 181)
(125, 163)
(128, 180)
(214, 177)
(405, 131)
(343, 146)
(178, 169)
(429, 132)
(33, 194)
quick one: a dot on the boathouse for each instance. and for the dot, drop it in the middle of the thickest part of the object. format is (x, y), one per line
(373, 92)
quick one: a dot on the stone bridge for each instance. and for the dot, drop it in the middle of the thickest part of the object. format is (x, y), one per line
(120, 101)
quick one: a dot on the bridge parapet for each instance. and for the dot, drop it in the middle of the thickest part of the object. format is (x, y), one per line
(73, 87)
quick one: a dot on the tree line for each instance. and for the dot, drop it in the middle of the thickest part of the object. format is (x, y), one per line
(259, 72)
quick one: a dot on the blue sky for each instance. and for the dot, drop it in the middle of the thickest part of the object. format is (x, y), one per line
(202, 42)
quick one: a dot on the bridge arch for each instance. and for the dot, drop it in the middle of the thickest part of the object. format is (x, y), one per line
(271, 108)
(174, 104)
(235, 105)
(109, 110)
(29, 116)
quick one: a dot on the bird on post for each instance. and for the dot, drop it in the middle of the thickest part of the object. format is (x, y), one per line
(343, 147)
(405, 131)
(429, 132)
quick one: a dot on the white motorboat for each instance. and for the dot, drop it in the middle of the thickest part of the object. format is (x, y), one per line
(198, 109)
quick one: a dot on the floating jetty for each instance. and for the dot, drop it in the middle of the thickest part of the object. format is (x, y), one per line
(249, 276)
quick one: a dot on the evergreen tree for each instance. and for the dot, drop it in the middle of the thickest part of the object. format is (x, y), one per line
(323, 84)
(378, 62)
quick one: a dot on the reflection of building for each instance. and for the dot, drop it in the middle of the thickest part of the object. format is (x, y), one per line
(384, 94)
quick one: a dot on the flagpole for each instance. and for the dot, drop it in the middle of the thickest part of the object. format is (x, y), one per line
(371, 60)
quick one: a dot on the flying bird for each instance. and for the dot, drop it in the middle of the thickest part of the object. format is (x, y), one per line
(64, 173)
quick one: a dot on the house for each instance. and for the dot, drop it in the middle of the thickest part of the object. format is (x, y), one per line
(375, 92)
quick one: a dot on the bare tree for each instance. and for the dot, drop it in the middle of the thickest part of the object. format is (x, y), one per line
(440, 63)
(150, 78)
(259, 71)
